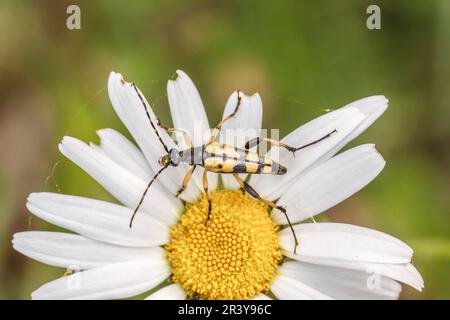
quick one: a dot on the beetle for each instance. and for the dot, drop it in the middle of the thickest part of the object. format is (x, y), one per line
(221, 158)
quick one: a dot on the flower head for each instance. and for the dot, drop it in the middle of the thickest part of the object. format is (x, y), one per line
(234, 256)
(240, 249)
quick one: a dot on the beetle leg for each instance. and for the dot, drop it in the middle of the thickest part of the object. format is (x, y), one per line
(249, 189)
(186, 179)
(205, 188)
(186, 137)
(256, 141)
(215, 132)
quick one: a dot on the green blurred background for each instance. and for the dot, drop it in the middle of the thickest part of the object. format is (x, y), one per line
(302, 57)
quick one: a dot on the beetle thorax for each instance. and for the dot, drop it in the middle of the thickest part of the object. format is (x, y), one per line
(175, 157)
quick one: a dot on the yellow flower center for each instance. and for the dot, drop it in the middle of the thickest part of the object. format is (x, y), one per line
(233, 256)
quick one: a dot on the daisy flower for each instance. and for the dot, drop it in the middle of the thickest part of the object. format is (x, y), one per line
(242, 252)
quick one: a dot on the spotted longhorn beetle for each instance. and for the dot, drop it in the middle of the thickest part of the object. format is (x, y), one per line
(221, 158)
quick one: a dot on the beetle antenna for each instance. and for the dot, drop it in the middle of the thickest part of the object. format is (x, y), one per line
(314, 142)
(145, 193)
(149, 118)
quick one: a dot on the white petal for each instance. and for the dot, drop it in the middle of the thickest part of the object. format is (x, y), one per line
(405, 273)
(113, 281)
(121, 183)
(349, 122)
(125, 153)
(342, 283)
(330, 183)
(245, 125)
(130, 110)
(170, 292)
(189, 114)
(261, 296)
(98, 220)
(76, 252)
(285, 288)
(187, 109)
(372, 107)
(344, 242)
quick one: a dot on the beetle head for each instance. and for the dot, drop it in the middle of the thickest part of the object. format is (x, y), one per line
(173, 158)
